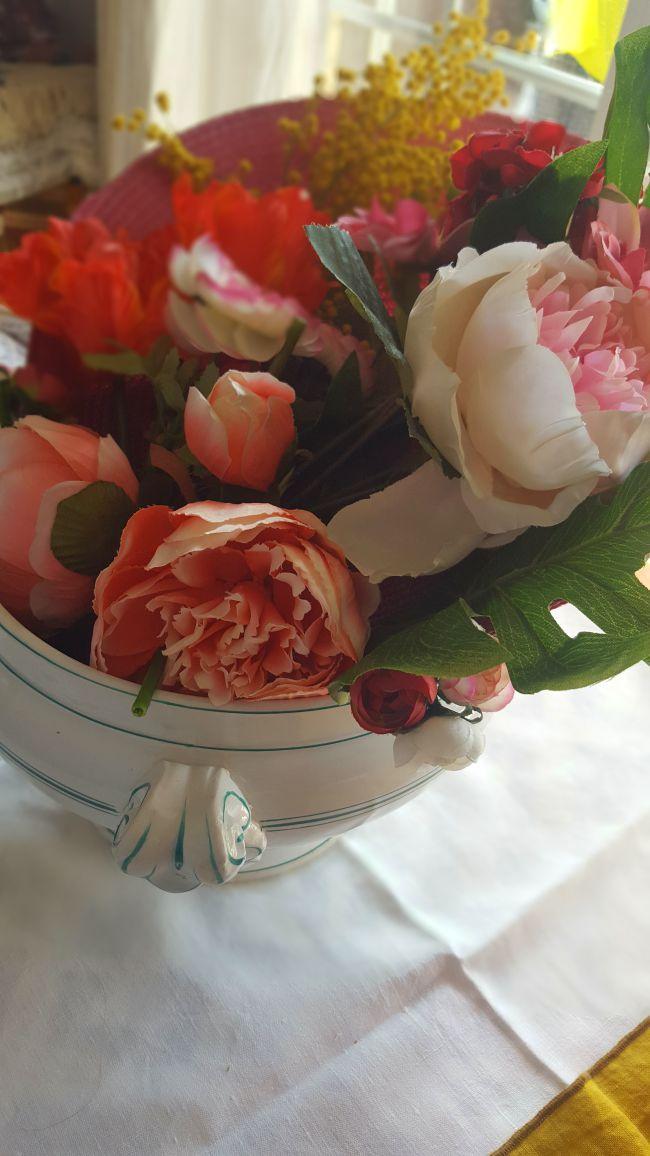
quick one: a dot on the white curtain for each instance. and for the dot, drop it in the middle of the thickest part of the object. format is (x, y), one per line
(211, 56)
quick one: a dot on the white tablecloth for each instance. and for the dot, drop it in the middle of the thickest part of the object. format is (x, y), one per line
(425, 987)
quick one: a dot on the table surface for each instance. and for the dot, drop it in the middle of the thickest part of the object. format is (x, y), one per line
(424, 987)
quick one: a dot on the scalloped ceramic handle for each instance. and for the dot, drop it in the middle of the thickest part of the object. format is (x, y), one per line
(187, 825)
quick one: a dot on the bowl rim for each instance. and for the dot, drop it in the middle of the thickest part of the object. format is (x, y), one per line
(11, 626)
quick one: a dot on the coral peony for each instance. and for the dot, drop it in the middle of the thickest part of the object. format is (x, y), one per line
(241, 431)
(41, 463)
(384, 701)
(246, 602)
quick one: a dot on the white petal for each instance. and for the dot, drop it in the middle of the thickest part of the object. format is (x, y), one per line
(506, 518)
(504, 319)
(450, 743)
(417, 526)
(434, 404)
(522, 418)
(623, 439)
(454, 294)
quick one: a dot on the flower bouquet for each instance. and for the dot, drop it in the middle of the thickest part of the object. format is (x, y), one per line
(274, 446)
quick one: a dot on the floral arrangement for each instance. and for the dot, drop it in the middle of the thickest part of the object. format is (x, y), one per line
(357, 435)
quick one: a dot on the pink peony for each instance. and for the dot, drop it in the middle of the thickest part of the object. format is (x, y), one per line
(619, 241)
(407, 233)
(385, 701)
(241, 431)
(213, 307)
(246, 601)
(490, 690)
(41, 463)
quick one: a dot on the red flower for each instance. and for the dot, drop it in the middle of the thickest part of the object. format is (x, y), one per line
(493, 162)
(385, 701)
(75, 280)
(264, 235)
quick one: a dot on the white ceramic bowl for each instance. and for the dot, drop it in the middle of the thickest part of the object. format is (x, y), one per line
(193, 792)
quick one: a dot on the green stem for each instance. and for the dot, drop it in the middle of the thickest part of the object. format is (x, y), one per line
(150, 682)
(382, 414)
(294, 333)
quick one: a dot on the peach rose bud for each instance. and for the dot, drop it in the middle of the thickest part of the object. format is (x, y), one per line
(242, 430)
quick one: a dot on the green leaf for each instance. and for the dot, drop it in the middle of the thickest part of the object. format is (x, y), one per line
(590, 561)
(206, 381)
(343, 401)
(88, 526)
(187, 372)
(551, 197)
(626, 126)
(544, 207)
(166, 382)
(340, 255)
(126, 363)
(447, 644)
(158, 488)
(646, 199)
(294, 333)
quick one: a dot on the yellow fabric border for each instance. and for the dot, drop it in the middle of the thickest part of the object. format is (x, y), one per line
(606, 1112)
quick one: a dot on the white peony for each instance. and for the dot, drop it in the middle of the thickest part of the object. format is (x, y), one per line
(531, 376)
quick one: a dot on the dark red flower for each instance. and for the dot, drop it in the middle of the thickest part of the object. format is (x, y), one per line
(492, 163)
(385, 701)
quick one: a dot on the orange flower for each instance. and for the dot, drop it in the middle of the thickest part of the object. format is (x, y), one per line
(262, 235)
(75, 280)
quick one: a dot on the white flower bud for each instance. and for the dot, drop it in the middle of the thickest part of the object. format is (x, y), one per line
(448, 742)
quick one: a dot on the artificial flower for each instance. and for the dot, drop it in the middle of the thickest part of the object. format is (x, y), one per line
(449, 742)
(531, 371)
(242, 429)
(246, 602)
(490, 690)
(263, 235)
(618, 241)
(41, 464)
(77, 281)
(169, 463)
(405, 233)
(384, 701)
(492, 163)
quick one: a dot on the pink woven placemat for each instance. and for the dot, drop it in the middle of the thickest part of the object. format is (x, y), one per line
(138, 199)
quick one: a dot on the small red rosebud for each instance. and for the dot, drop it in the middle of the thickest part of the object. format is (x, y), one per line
(385, 701)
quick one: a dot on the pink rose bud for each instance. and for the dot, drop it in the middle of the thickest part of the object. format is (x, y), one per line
(246, 601)
(43, 462)
(241, 431)
(385, 701)
(490, 690)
